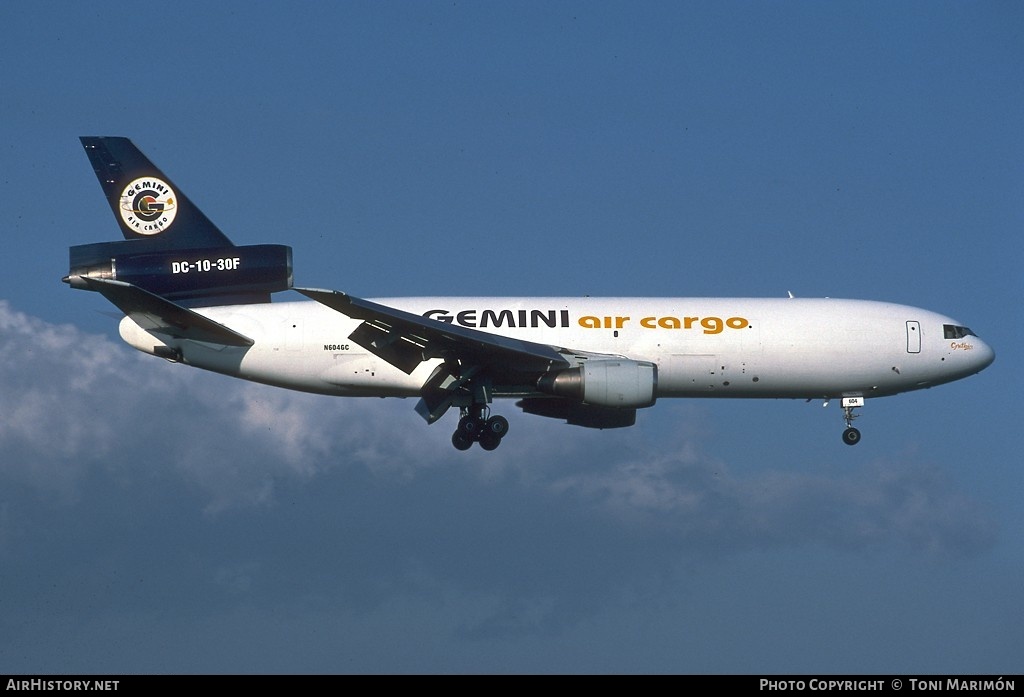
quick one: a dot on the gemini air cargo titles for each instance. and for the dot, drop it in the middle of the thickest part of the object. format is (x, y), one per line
(190, 295)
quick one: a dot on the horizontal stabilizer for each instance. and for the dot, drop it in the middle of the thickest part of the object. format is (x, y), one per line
(154, 314)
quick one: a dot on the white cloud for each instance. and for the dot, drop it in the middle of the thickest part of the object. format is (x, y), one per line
(73, 402)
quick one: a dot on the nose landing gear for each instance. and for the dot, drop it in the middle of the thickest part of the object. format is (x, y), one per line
(851, 436)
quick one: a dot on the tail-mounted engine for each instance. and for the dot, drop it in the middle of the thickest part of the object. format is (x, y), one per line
(186, 274)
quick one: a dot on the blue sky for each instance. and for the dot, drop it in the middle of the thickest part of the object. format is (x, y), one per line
(156, 519)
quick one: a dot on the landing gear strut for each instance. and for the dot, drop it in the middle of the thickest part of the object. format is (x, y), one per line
(851, 436)
(452, 384)
(475, 426)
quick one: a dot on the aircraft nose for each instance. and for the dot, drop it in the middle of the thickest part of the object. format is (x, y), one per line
(983, 356)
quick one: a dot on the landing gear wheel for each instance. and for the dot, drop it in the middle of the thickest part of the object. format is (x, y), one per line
(471, 426)
(851, 436)
(497, 426)
(476, 425)
(489, 441)
(461, 441)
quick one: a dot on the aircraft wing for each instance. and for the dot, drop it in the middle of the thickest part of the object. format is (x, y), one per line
(155, 314)
(405, 340)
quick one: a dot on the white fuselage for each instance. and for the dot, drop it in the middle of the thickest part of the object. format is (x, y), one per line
(703, 347)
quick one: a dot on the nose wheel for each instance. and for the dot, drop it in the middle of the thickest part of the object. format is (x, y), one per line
(851, 436)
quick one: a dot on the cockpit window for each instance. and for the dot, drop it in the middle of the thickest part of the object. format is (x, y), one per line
(954, 332)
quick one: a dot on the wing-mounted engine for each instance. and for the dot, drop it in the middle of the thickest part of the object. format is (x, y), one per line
(578, 414)
(621, 384)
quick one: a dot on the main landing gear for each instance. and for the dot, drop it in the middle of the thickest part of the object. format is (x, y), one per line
(476, 427)
(453, 384)
(851, 436)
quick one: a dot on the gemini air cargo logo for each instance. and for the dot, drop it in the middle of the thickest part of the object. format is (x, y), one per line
(148, 206)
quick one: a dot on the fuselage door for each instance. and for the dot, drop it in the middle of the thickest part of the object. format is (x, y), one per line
(913, 337)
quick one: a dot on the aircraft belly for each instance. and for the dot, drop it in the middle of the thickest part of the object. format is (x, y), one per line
(786, 373)
(365, 374)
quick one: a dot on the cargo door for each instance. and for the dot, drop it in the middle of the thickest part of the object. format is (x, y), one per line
(913, 337)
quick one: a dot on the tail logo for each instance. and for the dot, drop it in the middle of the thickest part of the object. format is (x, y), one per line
(148, 206)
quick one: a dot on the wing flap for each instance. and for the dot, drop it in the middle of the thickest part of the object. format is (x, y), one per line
(388, 345)
(160, 316)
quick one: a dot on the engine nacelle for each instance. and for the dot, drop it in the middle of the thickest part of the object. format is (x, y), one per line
(187, 273)
(578, 414)
(608, 383)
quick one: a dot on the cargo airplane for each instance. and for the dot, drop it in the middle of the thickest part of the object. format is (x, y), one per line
(191, 296)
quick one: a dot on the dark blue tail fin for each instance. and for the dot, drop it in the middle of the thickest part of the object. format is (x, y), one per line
(170, 249)
(146, 203)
